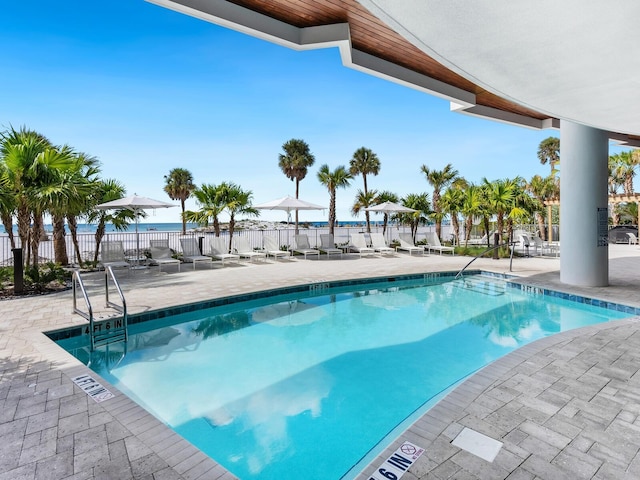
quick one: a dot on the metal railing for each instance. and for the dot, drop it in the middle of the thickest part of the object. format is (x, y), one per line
(507, 244)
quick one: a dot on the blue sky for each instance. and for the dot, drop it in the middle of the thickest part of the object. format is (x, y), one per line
(145, 90)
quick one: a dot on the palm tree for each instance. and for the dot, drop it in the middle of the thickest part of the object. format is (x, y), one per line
(439, 179)
(420, 203)
(31, 164)
(386, 196)
(451, 203)
(549, 152)
(236, 201)
(363, 201)
(364, 162)
(542, 189)
(339, 178)
(107, 191)
(7, 205)
(500, 194)
(472, 207)
(209, 198)
(295, 162)
(179, 185)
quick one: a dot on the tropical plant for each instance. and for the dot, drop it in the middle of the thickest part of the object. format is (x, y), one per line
(363, 201)
(107, 191)
(472, 207)
(339, 178)
(295, 163)
(386, 196)
(209, 198)
(500, 194)
(420, 203)
(179, 186)
(364, 162)
(30, 165)
(451, 203)
(542, 189)
(236, 201)
(439, 179)
(549, 152)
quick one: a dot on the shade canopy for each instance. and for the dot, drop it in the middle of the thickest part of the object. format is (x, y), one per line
(288, 204)
(134, 203)
(390, 207)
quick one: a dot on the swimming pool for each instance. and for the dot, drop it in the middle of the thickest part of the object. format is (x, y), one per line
(304, 386)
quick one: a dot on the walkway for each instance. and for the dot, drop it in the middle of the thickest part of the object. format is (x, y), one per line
(564, 407)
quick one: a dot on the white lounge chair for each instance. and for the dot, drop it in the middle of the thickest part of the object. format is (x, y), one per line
(359, 244)
(191, 253)
(328, 245)
(633, 240)
(218, 251)
(161, 254)
(112, 255)
(303, 247)
(379, 245)
(406, 243)
(433, 243)
(272, 248)
(242, 248)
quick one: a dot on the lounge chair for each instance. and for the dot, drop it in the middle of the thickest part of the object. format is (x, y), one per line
(303, 247)
(271, 248)
(218, 250)
(242, 248)
(112, 255)
(191, 252)
(379, 245)
(633, 240)
(433, 243)
(406, 243)
(359, 244)
(328, 245)
(161, 254)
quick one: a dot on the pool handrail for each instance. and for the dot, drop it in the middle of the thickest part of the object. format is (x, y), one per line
(506, 244)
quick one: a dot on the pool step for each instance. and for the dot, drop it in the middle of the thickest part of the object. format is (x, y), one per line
(488, 287)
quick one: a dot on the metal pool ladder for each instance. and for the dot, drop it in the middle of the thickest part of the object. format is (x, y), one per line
(114, 328)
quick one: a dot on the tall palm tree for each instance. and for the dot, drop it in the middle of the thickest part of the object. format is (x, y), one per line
(295, 163)
(364, 162)
(7, 205)
(386, 196)
(107, 191)
(339, 178)
(451, 203)
(549, 152)
(420, 203)
(179, 185)
(209, 198)
(439, 179)
(237, 201)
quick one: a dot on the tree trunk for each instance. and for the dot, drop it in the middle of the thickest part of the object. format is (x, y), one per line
(468, 225)
(232, 224)
(216, 226)
(73, 228)
(332, 211)
(297, 191)
(384, 223)
(184, 220)
(541, 226)
(456, 228)
(24, 221)
(59, 242)
(7, 222)
(100, 229)
(37, 231)
(485, 220)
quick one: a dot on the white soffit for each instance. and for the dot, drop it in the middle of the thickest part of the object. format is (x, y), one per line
(572, 59)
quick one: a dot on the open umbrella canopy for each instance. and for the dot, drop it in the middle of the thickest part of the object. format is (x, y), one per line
(288, 204)
(390, 207)
(137, 205)
(134, 203)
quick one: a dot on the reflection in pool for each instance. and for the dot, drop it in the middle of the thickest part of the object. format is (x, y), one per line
(307, 386)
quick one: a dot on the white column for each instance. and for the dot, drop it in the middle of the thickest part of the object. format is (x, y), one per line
(584, 253)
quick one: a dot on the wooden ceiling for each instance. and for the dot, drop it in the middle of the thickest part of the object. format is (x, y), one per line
(372, 36)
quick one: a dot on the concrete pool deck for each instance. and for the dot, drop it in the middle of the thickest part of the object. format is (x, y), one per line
(567, 406)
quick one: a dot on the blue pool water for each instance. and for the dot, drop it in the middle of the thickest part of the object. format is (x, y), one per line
(307, 386)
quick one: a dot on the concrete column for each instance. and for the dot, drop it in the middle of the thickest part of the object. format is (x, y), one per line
(584, 252)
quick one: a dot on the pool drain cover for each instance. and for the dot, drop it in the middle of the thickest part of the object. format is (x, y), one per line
(480, 445)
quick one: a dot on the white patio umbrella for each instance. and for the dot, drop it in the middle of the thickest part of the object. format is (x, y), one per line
(137, 205)
(288, 204)
(390, 207)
